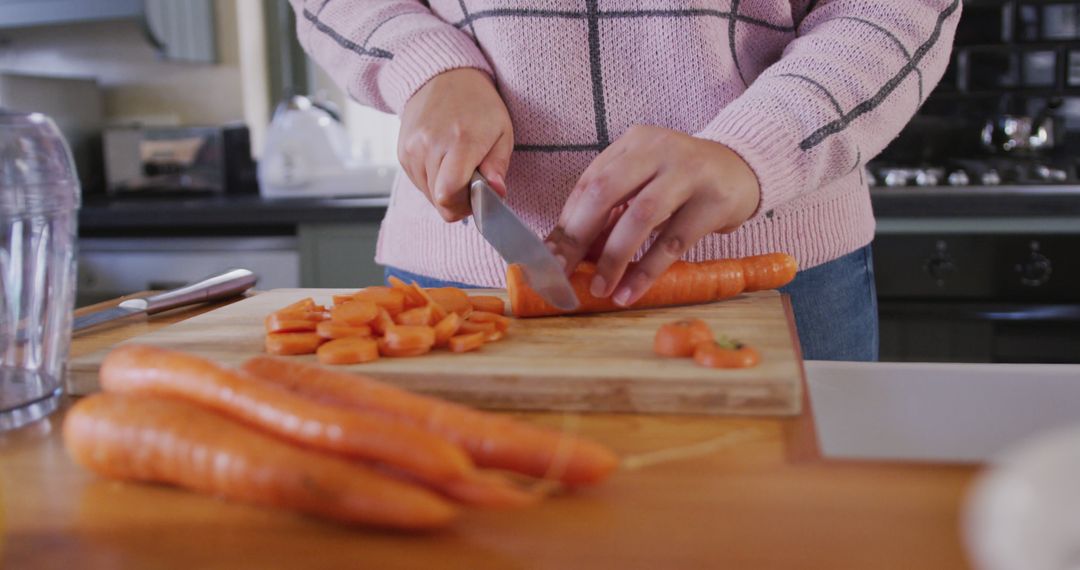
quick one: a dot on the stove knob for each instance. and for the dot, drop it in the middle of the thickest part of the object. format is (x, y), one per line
(896, 178)
(927, 178)
(959, 178)
(940, 264)
(1036, 270)
(990, 178)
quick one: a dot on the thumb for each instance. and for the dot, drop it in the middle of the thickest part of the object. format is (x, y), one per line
(496, 163)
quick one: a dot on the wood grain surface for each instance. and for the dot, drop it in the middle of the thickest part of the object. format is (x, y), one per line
(594, 363)
(755, 495)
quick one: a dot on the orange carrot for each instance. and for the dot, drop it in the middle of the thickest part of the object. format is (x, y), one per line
(486, 489)
(382, 322)
(348, 350)
(728, 354)
(494, 336)
(680, 338)
(452, 299)
(291, 343)
(501, 322)
(683, 283)
(413, 298)
(405, 337)
(305, 305)
(494, 441)
(286, 322)
(332, 330)
(149, 370)
(387, 349)
(390, 299)
(488, 304)
(474, 327)
(355, 313)
(466, 342)
(446, 328)
(342, 299)
(170, 441)
(419, 316)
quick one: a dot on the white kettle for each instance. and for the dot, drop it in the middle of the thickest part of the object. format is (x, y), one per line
(308, 153)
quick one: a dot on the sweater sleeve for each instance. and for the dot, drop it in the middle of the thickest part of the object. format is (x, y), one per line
(856, 72)
(382, 51)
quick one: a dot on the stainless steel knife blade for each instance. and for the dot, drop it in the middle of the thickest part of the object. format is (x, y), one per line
(516, 243)
(125, 309)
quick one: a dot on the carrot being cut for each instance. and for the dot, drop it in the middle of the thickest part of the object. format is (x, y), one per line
(292, 343)
(144, 438)
(145, 369)
(488, 304)
(348, 350)
(680, 338)
(684, 283)
(726, 354)
(494, 441)
(466, 342)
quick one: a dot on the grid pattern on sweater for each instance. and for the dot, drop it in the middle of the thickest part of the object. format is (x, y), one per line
(804, 90)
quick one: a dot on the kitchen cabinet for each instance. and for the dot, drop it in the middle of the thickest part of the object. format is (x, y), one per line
(339, 255)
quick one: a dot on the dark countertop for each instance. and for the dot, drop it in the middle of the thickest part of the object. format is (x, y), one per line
(244, 214)
(251, 214)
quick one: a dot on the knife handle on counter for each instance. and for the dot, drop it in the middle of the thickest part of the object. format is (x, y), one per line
(213, 288)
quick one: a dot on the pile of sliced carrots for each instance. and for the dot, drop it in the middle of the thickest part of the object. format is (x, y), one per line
(692, 338)
(400, 320)
(298, 436)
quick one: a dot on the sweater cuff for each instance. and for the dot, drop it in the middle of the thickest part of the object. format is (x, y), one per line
(425, 57)
(771, 150)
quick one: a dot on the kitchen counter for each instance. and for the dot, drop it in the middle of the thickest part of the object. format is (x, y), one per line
(977, 202)
(760, 496)
(235, 214)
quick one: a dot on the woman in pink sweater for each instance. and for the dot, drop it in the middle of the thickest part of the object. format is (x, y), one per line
(641, 132)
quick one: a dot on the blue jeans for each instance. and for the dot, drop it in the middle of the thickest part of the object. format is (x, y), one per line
(835, 306)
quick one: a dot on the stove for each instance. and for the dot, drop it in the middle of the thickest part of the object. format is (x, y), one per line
(965, 288)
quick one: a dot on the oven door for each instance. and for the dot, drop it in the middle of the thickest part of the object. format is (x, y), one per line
(928, 331)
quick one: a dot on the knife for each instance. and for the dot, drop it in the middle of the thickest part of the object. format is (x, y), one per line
(516, 243)
(212, 288)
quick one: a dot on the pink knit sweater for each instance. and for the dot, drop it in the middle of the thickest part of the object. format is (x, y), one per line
(806, 91)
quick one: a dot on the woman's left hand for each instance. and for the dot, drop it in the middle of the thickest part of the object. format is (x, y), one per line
(670, 182)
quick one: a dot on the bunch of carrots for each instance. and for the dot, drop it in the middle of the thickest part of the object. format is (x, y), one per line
(400, 320)
(299, 436)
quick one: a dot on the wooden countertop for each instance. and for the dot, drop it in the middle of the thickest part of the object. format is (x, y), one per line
(761, 497)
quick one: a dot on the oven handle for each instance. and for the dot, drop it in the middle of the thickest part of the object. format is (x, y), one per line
(980, 312)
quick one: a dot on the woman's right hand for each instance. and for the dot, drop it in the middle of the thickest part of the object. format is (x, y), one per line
(455, 124)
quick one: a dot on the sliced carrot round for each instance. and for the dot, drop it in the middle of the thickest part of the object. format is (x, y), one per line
(390, 299)
(382, 322)
(715, 355)
(680, 338)
(348, 350)
(501, 322)
(475, 327)
(452, 299)
(488, 304)
(286, 322)
(408, 336)
(413, 298)
(386, 349)
(332, 330)
(355, 313)
(290, 343)
(447, 328)
(466, 342)
(419, 316)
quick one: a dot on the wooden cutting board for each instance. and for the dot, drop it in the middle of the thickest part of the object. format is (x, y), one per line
(582, 363)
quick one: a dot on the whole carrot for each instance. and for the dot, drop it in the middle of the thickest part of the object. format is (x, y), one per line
(146, 438)
(493, 440)
(144, 369)
(684, 283)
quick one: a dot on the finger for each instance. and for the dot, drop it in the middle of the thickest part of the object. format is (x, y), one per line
(451, 188)
(414, 168)
(597, 165)
(654, 204)
(493, 167)
(596, 249)
(684, 229)
(583, 221)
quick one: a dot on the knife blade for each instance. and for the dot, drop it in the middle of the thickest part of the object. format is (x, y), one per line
(516, 243)
(212, 288)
